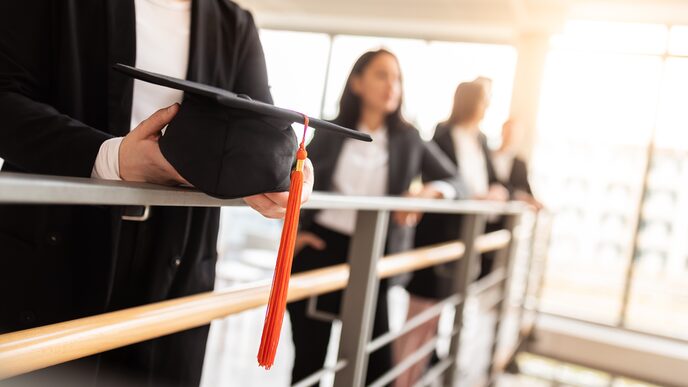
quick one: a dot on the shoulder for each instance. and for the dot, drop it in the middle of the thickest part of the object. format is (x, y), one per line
(407, 132)
(482, 138)
(520, 163)
(229, 12)
(442, 127)
(442, 130)
(323, 142)
(228, 7)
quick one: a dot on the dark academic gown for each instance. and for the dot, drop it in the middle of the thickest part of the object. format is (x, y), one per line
(59, 100)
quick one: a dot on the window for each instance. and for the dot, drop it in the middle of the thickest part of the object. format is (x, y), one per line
(431, 72)
(312, 84)
(610, 98)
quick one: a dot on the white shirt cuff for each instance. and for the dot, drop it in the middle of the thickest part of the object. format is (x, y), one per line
(107, 161)
(447, 190)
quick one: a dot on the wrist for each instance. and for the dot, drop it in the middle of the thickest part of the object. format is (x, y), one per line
(106, 165)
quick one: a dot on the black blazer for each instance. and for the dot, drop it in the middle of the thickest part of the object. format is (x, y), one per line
(518, 177)
(439, 228)
(409, 157)
(59, 100)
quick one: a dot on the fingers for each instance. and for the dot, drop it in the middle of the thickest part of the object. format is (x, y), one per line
(308, 181)
(170, 171)
(167, 174)
(314, 241)
(152, 125)
(496, 192)
(278, 198)
(265, 206)
(281, 198)
(406, 219)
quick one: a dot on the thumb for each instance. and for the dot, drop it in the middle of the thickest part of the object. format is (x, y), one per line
(315, 241)
(153, 125)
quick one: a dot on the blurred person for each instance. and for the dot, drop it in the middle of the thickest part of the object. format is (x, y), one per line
(461, 140)
(512, 170)
(66, 112)
(371, 102)
(487, 84)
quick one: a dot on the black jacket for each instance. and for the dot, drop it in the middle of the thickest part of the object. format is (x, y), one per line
(409, 157)
(439, 228)
(59, 100)
(518, 177)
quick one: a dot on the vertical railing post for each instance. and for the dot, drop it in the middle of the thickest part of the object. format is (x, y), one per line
(360, 296)
(465, 272)
(504, 259)
(527, 288)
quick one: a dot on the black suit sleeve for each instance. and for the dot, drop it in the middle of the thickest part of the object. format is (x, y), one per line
(519, 177)
(437, 166)
(34, 136)
(252, 74)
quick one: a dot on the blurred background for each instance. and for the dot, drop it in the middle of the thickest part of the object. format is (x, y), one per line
(601, 91)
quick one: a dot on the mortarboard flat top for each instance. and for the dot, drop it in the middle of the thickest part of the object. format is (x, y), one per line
(228, 145)
(237, 101)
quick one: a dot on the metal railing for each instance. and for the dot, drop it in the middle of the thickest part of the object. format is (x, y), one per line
(40, 347)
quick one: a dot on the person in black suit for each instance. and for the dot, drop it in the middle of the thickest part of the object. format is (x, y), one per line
(60, 103)
(371, 102)
(512, 170)
(461, 140)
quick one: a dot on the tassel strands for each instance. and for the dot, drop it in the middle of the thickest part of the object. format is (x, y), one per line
(285, 256)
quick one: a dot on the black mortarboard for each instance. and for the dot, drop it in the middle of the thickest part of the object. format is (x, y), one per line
(228, 145)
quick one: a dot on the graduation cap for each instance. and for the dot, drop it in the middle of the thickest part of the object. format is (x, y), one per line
(228, 146)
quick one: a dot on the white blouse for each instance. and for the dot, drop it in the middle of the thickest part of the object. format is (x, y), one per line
(503, 162)
(162, 46)
(362, 169)
(472, 162)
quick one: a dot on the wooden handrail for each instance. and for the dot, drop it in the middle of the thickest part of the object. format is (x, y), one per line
(36, 348)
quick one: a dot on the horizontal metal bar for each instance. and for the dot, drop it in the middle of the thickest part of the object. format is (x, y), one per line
(413, 323)
(44, 189)
(405, 364)
(492, 302)
(316, 376)
(489, 281)
(433, 373)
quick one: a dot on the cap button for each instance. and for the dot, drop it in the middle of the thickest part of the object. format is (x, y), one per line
(53, 238)
(27, 317)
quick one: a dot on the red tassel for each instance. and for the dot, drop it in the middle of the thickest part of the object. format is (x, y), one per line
(280, 282)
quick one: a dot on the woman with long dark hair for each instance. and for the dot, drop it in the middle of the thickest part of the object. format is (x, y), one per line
(371, 102)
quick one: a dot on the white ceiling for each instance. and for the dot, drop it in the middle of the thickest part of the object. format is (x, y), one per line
(469, 20)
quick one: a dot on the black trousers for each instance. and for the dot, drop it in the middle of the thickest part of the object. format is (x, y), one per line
(311, 335)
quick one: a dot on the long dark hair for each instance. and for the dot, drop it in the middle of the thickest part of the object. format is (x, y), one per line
(350, 104)
(467, 98)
